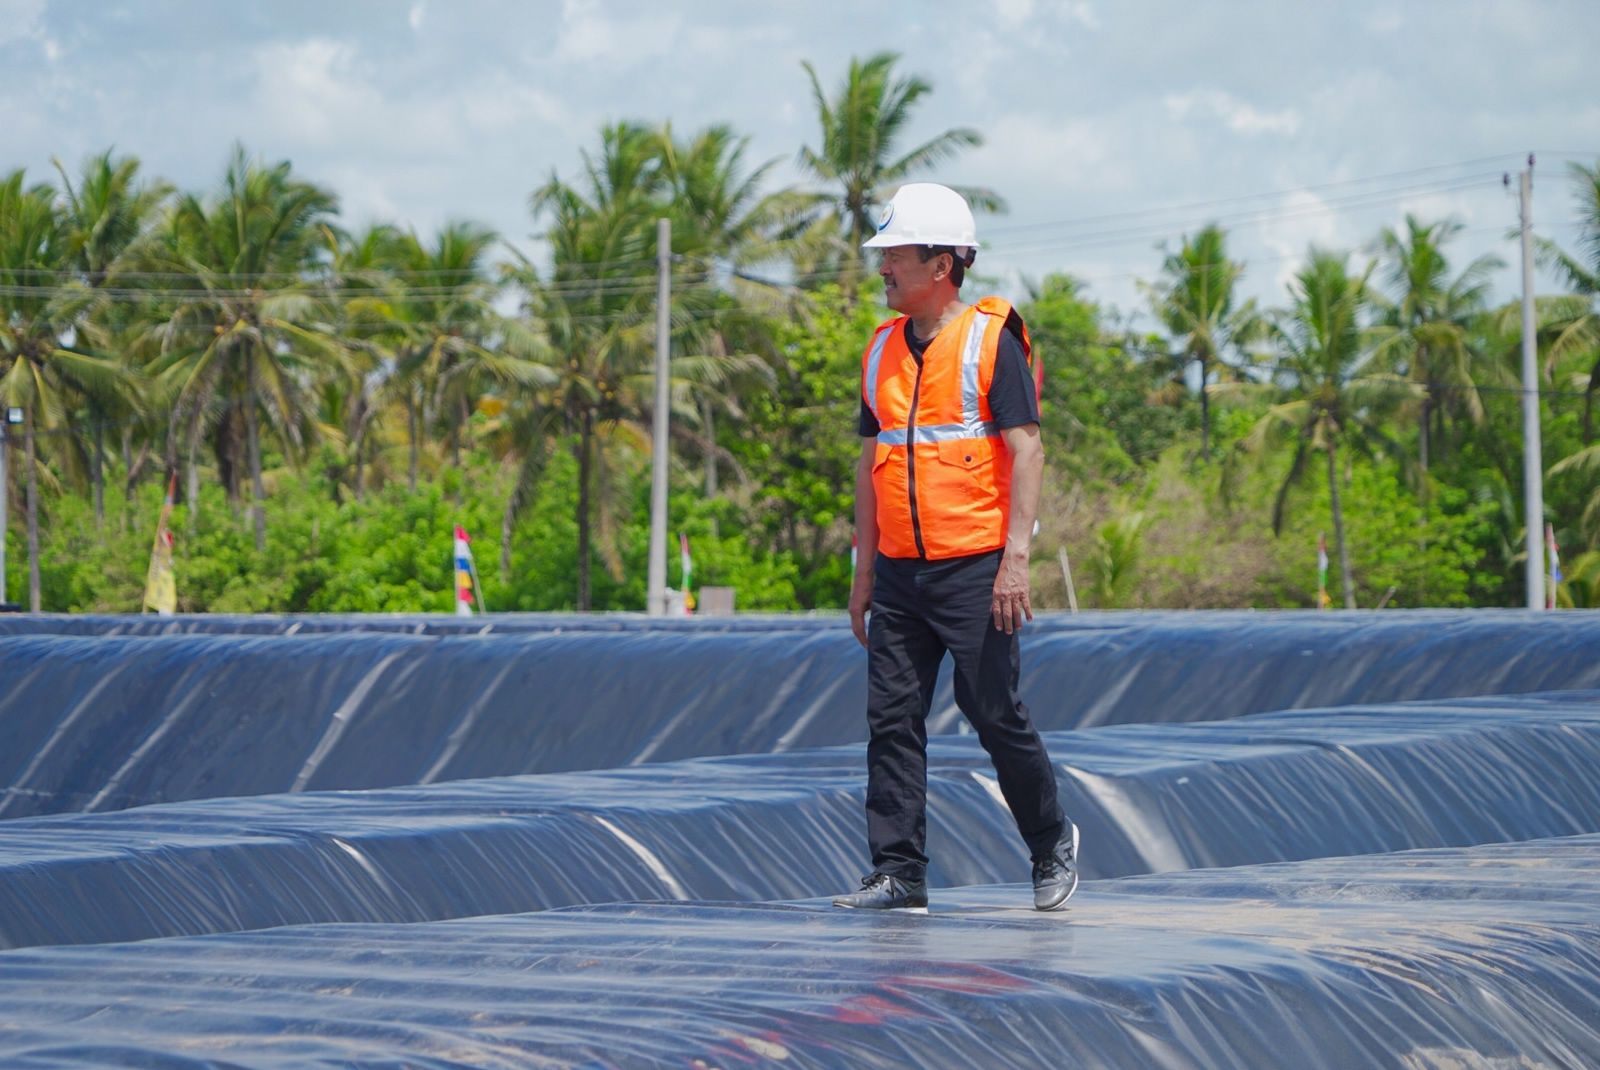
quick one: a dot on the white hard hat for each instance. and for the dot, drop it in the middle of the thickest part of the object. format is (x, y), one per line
(925, 213)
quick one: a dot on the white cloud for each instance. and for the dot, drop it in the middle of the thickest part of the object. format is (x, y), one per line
(1302, 219)
(1065, 151)
(1238, 116)
(422, 111)
(1013, 14)
(19, 19)
(312, 90)
(1083, 12)
(588, 32)
(1385, 21)
(499, 106)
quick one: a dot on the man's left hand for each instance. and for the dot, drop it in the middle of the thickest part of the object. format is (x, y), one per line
(1010, 605)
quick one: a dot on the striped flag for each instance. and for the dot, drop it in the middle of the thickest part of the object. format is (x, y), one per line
(1322, 570)
(465, 574)
(688, 570)
(1555, 566)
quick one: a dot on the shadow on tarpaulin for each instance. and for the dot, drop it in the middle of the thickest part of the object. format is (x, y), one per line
(1148, 798)
(97, 722)
(1484, 958)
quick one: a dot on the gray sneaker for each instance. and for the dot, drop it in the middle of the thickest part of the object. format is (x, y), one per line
(880, 891)
(1056, 877)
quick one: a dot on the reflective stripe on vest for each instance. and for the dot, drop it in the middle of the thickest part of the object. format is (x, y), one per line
(874, 361)
(939, 433)
(972, 425)
(941, 472)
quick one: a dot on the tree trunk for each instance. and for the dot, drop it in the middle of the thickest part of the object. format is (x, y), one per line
(1338, 528)
(1205, 412)
(585, 472)
(253, 429)
(455, 442)
(33, 514)
(127, 462)
(1422, 433)
(192, 490)
(711, 449)
(361, 438)
(508, 521)
(97, 474)
(411, 432)
(1422, 465)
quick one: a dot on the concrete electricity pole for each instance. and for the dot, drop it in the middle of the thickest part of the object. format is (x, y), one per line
(5, 494)
(656, 601)
(1532, 449)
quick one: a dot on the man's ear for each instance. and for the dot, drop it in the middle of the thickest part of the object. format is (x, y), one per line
(943, 265)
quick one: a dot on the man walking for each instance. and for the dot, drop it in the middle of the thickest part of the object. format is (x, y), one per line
(946, 492)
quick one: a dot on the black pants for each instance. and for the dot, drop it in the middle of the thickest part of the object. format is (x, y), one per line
(920, 610)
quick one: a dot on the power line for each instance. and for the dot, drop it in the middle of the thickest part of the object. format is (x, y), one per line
(1195, 206)
(1125, 235)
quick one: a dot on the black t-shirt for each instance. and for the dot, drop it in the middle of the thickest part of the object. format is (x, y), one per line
(1012, 398)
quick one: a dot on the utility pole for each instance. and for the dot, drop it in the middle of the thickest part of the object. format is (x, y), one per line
(5, 496)
(1532, 449)
(656, 603)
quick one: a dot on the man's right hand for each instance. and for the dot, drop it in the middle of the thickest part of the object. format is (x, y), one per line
(860, 602)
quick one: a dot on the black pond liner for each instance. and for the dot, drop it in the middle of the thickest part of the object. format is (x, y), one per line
(1149, 798)
(94, 723)
(1486, 957)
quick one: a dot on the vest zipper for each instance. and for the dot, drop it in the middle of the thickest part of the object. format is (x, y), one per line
(911, 458)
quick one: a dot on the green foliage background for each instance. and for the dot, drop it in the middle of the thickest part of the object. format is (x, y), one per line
(1116, 444)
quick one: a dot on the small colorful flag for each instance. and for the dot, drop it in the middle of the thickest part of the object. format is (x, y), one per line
(466, 574)
(1555, 566)
(1322, 570)
(160, 586)
(688, 570)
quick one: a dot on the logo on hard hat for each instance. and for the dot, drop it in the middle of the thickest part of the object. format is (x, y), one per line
(888, 214)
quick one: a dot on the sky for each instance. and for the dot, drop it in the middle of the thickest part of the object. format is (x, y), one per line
(1109, 128)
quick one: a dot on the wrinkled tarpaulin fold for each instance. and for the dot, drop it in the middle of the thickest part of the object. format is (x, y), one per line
(1484, 958)
(1149, 798)
(104, 723)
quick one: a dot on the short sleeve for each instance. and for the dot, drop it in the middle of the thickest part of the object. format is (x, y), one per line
(1013, 399)
(866, 423)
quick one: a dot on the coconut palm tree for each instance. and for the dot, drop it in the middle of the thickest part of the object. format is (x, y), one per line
(40, 303)
(594, 312)
(108, 212)
(1570, 324)
(1426, 328)
(353, 397)
(1195, 301)
(244, 327)
(722, 219)
(1327, 399)
(857, 162)
(456, 344)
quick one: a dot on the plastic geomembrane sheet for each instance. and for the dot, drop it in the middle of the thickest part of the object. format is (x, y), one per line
(1485, 958)
(1269, 787)
(100, 723)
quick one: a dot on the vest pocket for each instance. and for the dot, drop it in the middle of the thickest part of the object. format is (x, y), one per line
(968, 478)
(969, 453)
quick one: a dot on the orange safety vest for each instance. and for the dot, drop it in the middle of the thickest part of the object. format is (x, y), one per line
(942, 474)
